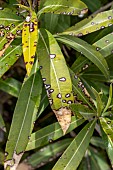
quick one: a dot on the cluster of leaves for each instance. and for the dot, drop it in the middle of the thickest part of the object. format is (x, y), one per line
(68, 61)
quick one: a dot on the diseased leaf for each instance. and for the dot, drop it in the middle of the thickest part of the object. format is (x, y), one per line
(50, 133)
(63, 7)
(91, 24)
(73, 155)
(10, 56)
(86, 49)
(80, 93)
(105, 45)
(23, 119)
(48, 153)
(56, 77)
(29, 40)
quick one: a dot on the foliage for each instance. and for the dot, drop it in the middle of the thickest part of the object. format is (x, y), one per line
(56, 61)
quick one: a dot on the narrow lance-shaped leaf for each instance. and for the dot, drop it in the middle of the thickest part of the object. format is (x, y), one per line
(63, 7)
(51, 133)
(104, 46)
(56, 77)
(73, 155)
(89, 51)
(91, 24)
(29, 40)
(23, 119)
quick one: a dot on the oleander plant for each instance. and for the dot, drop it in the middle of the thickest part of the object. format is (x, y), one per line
(56, 75)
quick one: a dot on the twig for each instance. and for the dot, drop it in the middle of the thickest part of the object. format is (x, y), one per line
(103, 8)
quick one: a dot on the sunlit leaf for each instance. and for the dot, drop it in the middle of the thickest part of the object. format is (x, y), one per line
(56, 77)
(10, 56)
(29, 40)
(107, 126)
(63, 7)
(8, 36)
(73, 155)
(91, 24)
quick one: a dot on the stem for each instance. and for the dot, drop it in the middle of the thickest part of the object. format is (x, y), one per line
(103, 8)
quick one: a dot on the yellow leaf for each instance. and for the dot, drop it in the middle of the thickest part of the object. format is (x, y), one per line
(29, 40)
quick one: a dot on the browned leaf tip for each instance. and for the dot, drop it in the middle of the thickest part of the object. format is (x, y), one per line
(64, 118)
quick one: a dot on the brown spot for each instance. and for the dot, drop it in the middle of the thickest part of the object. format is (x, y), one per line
(10, 37)
(31, 62)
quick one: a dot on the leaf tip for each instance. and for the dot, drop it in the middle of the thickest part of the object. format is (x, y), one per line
(64, 118)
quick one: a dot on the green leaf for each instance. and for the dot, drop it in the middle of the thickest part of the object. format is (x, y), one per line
(50, 133)
(109, 99)
(10, 57)
(88, 50)
(43, 103)
(75, 151)
(63, 7)
(10, 86)
(23, 119)
(99, 103)
(57, 82)
(91, 24)
(2, 124)
(29, 40)
(48, 153)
